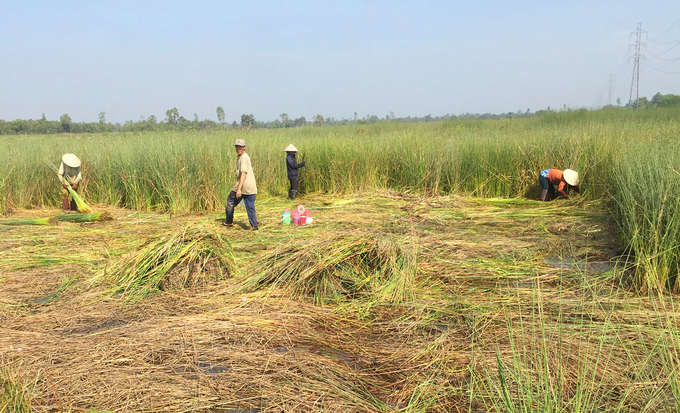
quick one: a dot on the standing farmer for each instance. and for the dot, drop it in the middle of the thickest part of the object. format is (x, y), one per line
(69, 174)
(563, 179)
(245, 187)
(292, 167)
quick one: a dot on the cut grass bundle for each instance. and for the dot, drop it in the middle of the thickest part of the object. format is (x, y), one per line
(183, 259)
(37, 221)
(95, 216)
(342, 266)
(82, 206)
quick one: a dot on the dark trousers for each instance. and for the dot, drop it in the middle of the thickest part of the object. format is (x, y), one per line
(293, 184)
(545, 184)
(248, 200)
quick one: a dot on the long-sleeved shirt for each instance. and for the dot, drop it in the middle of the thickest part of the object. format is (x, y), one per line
(292, 166)
(555, 178)
(69, 175)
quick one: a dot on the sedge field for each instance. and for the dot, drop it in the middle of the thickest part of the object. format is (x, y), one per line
(510, 306)
(430, 280)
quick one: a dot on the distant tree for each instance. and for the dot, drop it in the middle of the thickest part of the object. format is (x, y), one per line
(318, 120)
(391, 115)
(44, 119)
(355, 116)
(195, 117)
(65, 123)
(152, 119)
(656, 99)
(220, 115)
(284, 118)
(301, 121)
(548, 109)
(234, 124)
(172, 116)
(564, 107)
(182, 119)
(641, 103)
(102, 118)
(247, 121)
(618, 101)
(528, 112)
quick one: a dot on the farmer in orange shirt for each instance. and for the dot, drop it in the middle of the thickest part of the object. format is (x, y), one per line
(563, 179)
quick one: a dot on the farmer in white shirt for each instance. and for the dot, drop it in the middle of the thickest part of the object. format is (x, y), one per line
(69, 174)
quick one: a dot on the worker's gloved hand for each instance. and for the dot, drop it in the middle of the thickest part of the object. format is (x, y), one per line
(74, 186)
(65, 186)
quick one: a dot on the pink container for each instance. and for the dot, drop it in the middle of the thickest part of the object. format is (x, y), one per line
(296, 218)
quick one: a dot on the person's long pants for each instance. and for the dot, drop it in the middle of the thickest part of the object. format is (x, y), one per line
(248, 200)
(293, 184)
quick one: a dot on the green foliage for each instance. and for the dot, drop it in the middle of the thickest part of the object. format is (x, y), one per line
(15, 395)
(247, 121)
(180, 172)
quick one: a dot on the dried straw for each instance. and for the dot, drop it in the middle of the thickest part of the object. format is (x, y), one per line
(330, 268)
(175, 261)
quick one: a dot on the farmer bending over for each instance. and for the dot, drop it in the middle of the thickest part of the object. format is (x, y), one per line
(563, 179)
(69, 174)
(292, 166)
(245, 187)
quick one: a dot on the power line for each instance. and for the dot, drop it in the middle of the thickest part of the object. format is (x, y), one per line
(669, 29)
(667, 64)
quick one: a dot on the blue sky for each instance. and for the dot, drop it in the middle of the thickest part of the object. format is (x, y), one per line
(133, 59)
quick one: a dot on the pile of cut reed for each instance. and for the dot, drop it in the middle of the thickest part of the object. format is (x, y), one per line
(82, 205)
(91, 217)
(353, 266)
(185, 258)
(35, 221)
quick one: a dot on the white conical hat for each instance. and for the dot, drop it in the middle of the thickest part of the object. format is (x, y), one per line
(571, 177)
(71, 160)
(290, 148)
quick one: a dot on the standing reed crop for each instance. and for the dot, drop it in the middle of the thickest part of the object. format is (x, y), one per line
(613, 151)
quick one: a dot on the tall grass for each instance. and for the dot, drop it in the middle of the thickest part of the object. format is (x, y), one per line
(627, 156)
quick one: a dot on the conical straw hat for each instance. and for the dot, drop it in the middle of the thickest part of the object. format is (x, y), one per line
(571, 177)
(290, 148)
(71, 160)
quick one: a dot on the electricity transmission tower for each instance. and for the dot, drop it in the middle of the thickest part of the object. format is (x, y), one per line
(611, 86)
(635, 82)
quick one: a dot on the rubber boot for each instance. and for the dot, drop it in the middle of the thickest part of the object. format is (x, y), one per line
(293, 194)
(544, 195)
(65, 204)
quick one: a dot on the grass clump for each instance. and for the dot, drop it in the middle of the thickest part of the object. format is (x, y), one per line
(341, 266)
(183, 259)
(14, 392)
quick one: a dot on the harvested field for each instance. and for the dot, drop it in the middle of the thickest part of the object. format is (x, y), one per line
(510, 306)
